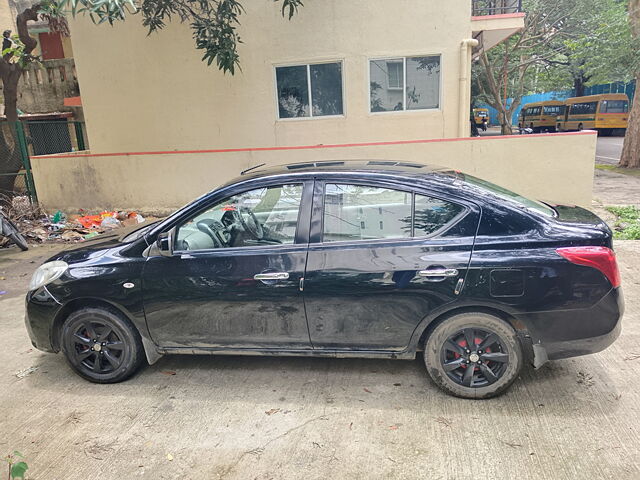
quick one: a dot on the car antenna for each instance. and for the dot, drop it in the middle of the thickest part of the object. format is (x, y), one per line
(252, 168)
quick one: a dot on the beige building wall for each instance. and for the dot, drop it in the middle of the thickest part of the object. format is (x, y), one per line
(7, 16)
(144, 93)
(553, 167)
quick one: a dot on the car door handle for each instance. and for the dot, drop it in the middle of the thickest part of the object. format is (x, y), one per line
(438, 272)
(271, 276)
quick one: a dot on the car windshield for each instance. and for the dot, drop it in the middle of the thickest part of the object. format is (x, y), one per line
(139, 232)
(509, 195)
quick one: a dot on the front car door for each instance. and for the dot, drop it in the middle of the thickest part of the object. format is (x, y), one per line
(233, 279)
(381, 259)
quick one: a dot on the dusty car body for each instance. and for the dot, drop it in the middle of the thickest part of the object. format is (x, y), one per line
(349, 259)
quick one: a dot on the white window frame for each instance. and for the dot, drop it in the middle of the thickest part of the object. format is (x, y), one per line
(403, 68)
(310, 99)
(404, 86)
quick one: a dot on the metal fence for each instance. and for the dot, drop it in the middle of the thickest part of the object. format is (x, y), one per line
(495, 7)
(21, 140)
(15, 165)
(47, 137)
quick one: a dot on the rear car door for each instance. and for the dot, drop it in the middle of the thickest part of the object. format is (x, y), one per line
(225, 288)
(381, 259)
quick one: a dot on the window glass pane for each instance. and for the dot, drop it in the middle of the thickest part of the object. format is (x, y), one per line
(326, 89)
(265, 216)
(386, 84)
(423, 82)
(354, 212)
(293, 91)
(432, 214)
(584, 108)
(614, 106)
(509, 195)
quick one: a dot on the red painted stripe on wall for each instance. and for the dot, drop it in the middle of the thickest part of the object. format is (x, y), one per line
(320, 146)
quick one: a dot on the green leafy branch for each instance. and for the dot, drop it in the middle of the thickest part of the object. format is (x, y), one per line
(213, 23)
(17, 53)
(17, 467)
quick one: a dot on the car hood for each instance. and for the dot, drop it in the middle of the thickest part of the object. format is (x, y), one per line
(98, 246)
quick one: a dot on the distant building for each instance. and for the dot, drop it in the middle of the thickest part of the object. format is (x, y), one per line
(338, 72)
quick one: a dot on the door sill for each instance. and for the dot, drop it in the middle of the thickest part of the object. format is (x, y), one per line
(276, 352)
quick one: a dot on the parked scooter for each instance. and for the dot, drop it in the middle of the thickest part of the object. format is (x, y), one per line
(525, 131)
(9, 230)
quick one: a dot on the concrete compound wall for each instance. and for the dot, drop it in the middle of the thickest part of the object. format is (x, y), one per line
(554, 167)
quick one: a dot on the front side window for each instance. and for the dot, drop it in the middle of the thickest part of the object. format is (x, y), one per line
(357, 212)
(404, 83)
(309, 90)
(262, 217)
(614, 106)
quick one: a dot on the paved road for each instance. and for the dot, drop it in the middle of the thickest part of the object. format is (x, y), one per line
(609, 150)
(287, 418)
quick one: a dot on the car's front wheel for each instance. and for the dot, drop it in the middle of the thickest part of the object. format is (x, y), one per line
(101, 345)
(473, 355)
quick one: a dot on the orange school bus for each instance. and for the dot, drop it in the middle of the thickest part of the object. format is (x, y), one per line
(605, 113)
(540, 116)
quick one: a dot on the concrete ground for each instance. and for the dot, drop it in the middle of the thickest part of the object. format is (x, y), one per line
(271, 418)
(609, 150)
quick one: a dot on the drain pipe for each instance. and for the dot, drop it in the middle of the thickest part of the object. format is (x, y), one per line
(465, 86)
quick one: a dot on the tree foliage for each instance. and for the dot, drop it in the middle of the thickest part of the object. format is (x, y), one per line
(214, 23)
(565, 44)
(509, 70)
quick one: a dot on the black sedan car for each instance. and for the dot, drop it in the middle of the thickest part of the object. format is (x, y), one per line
(344, 259)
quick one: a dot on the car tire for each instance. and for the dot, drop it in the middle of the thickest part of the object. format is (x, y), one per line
(494, 369)
(101, 345)
(14, 235)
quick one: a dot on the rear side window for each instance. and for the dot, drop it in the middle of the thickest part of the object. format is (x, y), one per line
(357, 212)
(431, 214)
(614, 106)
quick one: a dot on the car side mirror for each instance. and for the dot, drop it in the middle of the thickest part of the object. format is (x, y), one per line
(165, 243)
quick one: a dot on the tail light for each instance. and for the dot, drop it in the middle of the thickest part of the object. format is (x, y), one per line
(601, 258)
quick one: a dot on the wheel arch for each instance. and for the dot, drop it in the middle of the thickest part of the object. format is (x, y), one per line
(521, 329)
(76, 304)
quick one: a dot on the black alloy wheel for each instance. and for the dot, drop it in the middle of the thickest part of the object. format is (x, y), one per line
(473, 355)
(101, 345)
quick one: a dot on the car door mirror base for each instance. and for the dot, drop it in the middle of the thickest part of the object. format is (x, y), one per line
(165, 242)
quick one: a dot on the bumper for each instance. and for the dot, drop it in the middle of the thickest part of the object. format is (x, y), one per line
(574, 333)
(41, 311)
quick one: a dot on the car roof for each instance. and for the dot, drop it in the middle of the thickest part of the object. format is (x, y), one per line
(385, 167)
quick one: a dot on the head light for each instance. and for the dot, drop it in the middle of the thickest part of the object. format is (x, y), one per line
(47, 273)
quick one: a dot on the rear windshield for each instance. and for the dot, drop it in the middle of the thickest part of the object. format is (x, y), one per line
(509, 195)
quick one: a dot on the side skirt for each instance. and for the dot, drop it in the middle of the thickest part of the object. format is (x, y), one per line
(270, 352)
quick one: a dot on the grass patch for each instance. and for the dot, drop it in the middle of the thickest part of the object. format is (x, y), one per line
(634, 172)
(627, 225)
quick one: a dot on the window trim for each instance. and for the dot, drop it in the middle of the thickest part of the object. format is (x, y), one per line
(307, 64)
(454, 221)
(307, 191)
(404, 87)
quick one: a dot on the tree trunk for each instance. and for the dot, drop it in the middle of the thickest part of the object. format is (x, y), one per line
(631, 150)
(578, 85)
(10, 72)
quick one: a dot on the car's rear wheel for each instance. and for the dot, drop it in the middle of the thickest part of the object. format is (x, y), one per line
(101, 345)
(473, 355)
